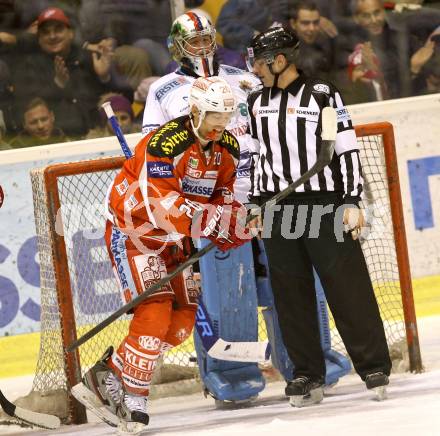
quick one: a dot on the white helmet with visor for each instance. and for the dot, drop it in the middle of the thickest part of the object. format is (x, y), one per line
(211, 94)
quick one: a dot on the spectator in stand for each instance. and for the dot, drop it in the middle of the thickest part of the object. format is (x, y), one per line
(38, 126)
(317, 51)
(425, 66)
(430, 76)
(123, 112)
(7, 102)
(380, 50)
(140, 97)
(4, 145)
(140, 23)
(240, 20)
(129, 66)
(68, 78)
(336, 17)
(417, 20)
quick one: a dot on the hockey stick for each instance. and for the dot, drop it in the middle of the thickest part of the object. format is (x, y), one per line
(215, 346)
(27, 416)
(329, 125)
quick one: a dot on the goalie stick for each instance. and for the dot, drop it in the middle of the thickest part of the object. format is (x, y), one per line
(42, 420)
(215, 346)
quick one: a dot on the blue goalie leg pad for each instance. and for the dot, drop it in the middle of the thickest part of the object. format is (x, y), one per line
(337, 365)
(229, 296)
(237, 384)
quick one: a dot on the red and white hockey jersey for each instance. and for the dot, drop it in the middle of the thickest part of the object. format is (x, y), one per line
(158, 190)
(168, 99)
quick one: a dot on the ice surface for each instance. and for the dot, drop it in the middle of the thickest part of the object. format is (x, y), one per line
(412, 407)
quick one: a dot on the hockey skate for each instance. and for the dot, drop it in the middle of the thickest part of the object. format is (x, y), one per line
(303, 391)
(100, 391)
(133, 414)
(377, 381)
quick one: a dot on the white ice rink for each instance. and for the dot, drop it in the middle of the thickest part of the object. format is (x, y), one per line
(412, 409)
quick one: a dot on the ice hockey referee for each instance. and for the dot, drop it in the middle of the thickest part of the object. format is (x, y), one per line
(307, 230)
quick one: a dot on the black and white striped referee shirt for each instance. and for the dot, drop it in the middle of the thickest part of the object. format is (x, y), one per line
(286, 127)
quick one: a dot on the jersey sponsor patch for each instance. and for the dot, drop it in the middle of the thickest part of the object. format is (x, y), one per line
(147, 128)
(211, 174)
(117, 247)
(267, 111)
(151, 268)
(231, 70)
(229, 141)
(160, 170)
(150, 343)
(320, 87)
(131, 202)
(172, 138)
(244, 165)
(191, 284)
(239, 130)
(342, 115)
(308, 114)
(193, 173)
(193, 162)
(122, 187)
(170, 85)
(201, 187)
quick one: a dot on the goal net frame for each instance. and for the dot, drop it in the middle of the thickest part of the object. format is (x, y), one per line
(49, 223)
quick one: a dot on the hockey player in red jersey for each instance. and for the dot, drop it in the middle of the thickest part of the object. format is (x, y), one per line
(178, 184)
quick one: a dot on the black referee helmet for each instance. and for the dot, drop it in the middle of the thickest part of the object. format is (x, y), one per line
(272, 42)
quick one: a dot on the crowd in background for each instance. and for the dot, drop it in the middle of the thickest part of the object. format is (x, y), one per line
(60, 60)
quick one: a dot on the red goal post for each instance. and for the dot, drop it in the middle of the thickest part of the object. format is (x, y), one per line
(78, 289)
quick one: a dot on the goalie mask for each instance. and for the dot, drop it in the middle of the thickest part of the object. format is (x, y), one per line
(212, 96)
(192, 43)
(267, 45)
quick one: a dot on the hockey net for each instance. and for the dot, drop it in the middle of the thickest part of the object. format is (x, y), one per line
(78, 289)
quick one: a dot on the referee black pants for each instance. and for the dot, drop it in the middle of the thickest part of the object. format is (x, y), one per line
(293, 249)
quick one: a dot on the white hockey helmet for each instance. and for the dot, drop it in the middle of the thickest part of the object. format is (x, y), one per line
(211, 94)
(183, 30)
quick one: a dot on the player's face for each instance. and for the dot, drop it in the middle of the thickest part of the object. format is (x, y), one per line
(199, 45)
(306, 25)
(55, 38)
(371, 16)
(214, 124)
(39, 122)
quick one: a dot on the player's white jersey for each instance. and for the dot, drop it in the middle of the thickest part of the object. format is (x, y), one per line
(168, 99)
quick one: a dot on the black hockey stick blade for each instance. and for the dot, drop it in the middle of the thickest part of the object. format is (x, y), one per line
(42, 420)
(324, 158)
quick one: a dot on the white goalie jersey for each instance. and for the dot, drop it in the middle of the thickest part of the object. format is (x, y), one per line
(168, 99)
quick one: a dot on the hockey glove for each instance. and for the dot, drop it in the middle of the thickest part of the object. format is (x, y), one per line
(223, 224)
